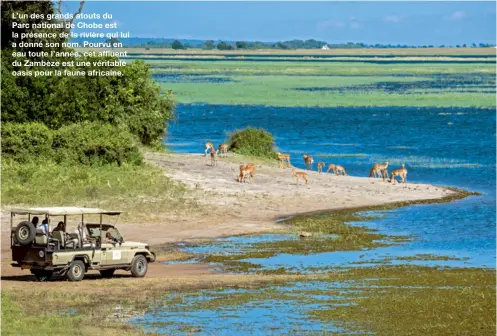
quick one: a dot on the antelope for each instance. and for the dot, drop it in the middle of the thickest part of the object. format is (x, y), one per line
(320, 166)
(283, 158)
(214, 157)
(331, 167)
(379, 169)
(209, 145)
(339, 170)
(308, 161)
(302, 175)
(248, 170)
(402, 173)
(223, 148)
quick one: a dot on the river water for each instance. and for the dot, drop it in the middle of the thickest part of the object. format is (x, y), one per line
(443, 146)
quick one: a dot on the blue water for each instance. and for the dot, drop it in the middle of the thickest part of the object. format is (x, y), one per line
(443, 146)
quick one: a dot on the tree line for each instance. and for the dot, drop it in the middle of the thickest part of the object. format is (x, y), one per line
(282, 45)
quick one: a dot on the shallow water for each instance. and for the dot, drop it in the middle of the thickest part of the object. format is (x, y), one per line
(279, 310)
(443, 146)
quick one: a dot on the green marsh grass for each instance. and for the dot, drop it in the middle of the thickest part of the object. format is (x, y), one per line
(50, 315)
(269, 83)
(137, 189)
(411, 300)
(295, 68)
(385, 300)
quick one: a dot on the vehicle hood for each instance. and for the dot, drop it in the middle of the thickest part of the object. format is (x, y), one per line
(133, 244)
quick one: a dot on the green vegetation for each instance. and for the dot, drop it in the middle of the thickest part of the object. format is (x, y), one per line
(177, 45)
(292, 83)
(409, 300)
(86, 143)
(385, 300)
(140, 190)
(132, 99)
(242, 67)
(309, 44)
(77, 140)
(42, 315)
(252, 142)
(330, 232)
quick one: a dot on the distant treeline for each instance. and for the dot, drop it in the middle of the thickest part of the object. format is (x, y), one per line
(293, 44)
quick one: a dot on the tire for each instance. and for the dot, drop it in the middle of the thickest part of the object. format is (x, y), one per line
(76, 271)
(108, 273)
(25, 232)
(42, 275)
(139, 266)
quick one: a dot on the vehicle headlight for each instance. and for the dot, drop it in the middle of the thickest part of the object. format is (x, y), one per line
(41, 254)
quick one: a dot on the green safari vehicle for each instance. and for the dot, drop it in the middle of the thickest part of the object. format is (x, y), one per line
(94, 246)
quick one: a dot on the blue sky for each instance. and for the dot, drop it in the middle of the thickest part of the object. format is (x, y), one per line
(398, 22)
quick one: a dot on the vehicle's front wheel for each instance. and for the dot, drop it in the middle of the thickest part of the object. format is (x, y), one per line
(76, 271)
(108, 273)
(139, 266)
(42, 275)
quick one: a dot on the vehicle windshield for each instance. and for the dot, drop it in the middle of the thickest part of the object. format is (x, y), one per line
(114, 234)
(94, 232)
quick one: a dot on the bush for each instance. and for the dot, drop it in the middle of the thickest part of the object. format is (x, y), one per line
(252, 141)
(96, 143)
(26, 141)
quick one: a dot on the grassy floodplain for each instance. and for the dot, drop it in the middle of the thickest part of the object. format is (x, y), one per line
(327, 78)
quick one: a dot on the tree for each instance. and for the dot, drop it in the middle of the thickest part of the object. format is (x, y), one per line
(241, 45)
(281, 45)
(177, 45)
(224, 46)
(208, 45)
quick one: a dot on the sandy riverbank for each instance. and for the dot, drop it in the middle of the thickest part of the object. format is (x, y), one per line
(231, 208)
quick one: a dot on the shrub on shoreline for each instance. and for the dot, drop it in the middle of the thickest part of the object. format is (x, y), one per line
(252, 141)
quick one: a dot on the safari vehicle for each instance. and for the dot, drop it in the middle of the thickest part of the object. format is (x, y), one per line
(95, 246)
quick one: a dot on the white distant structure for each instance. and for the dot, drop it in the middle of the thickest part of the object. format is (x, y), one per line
(325, 47)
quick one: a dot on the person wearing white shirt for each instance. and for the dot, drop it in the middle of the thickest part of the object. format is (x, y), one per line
(44, 226)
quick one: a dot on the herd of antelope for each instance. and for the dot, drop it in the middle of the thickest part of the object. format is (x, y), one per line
(248, 171)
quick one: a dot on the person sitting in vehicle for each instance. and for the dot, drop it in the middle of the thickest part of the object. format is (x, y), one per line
(44, 226)
(109, 239)
(60, 227)
(35, 221)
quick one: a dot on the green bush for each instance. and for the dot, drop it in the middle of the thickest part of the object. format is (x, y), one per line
(26, 141)
(87, 143)
(252, 141)
(92, 143)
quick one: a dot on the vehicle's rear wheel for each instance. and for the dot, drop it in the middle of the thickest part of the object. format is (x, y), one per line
(108, 273)
(76, 271)
(139, 266)
(42, 275)
(25, 232)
